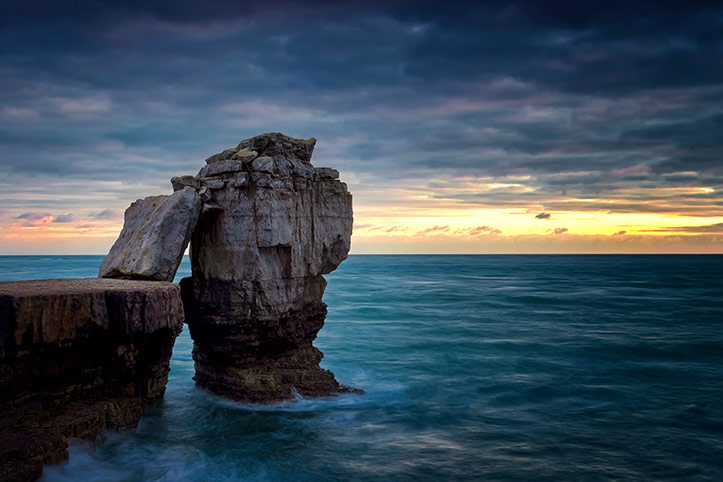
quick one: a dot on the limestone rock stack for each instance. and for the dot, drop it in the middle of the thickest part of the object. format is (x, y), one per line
(266, 225)
(270, 227)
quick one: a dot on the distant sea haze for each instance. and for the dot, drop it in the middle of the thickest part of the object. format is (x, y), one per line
(480, 367)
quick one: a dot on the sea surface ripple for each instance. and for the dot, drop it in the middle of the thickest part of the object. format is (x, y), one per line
(474, 367)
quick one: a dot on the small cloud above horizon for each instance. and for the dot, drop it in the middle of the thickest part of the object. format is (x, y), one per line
(104, 214)
(543, 216)
(64, 218)
(483, 230)
(32, 216)
(34, 219)
(708, 228)
(435, 229)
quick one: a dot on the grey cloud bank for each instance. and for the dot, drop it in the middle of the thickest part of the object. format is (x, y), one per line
(103, 101)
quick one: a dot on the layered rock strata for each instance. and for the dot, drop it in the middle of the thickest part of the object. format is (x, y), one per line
(271, 225)
(78, 357)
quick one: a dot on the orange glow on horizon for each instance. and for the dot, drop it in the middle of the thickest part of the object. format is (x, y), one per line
(438, 215)
(418, 228)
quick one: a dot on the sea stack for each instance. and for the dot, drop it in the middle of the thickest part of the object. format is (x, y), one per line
(271, 225)
(264, 226)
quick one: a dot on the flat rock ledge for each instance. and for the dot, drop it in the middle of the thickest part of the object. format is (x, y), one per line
(78, 357)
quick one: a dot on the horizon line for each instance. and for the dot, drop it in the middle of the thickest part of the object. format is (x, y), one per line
(443, 254)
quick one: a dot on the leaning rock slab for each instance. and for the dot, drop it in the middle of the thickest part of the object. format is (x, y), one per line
(78, 357)
(156, 232)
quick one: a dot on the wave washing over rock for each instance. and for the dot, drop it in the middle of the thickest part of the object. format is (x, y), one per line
(85, 355)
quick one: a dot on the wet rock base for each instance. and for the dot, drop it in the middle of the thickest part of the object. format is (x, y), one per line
(258, 359)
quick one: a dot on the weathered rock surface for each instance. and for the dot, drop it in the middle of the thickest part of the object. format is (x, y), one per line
(271, 226)
(78, 357)
(155, 234)
(268, 145)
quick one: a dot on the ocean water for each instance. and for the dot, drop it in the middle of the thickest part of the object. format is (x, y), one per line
(474, 367)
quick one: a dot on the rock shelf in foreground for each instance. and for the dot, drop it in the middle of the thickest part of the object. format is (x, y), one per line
(78, 357)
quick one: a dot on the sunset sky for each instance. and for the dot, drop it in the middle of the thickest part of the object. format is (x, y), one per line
(506, 127)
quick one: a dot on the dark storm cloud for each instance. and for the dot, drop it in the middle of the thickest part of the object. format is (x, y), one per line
(593, 100)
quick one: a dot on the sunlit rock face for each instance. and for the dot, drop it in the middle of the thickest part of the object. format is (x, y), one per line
(78, 357)
(271, 225)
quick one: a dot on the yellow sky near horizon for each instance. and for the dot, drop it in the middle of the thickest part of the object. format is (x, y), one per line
(412, 220)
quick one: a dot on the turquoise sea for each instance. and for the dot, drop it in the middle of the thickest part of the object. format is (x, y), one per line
(475, 368)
